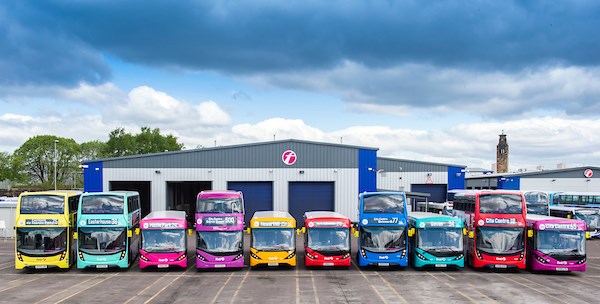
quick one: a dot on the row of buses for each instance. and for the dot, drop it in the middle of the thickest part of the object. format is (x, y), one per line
(105, 230)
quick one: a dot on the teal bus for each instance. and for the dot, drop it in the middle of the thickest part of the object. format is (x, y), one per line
(436, 240)
(105, 231)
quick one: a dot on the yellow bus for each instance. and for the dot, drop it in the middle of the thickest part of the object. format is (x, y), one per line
(45, 222)
(273, 239)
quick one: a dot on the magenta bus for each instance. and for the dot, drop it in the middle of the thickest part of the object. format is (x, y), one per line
(219, 229)
(555, 244)
(164, 241)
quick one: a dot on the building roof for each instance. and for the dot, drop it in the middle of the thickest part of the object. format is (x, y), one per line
(534, 173)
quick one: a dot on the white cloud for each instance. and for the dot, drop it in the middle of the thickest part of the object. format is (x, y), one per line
(100, 94)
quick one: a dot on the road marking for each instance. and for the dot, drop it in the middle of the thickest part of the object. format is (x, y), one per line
(544, 286)
(105, 279)
(7, 288)
(529, 287)
(297, 287)
(221, 289)
(367, 279)
(144, 290)
(173, 281)
(64, 290)
(312, 278)
(453, 288)
(239, 287)
(392, 288)
(449, 276)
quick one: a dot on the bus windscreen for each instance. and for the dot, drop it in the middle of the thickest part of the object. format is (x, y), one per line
(561, 243)
(440, 240)
(41, 241)
(220, 242)
(591, 218)
(328, 239)
(500, 240)
(382, 239)
(102, 240)
(232, 205)
(42, 204)
(500, 204)
(101, 204)
(172, 240)
(273, 239)
(383, 203)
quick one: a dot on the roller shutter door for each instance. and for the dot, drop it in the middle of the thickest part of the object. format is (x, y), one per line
(310, 196)
(258, 196)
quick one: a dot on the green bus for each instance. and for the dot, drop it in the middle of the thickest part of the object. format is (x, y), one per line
(436, 240)
(105, 231)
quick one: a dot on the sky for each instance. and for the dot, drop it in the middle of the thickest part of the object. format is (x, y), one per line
(422, 80)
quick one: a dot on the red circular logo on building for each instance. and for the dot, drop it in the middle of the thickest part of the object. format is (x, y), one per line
(288, 157)
(588, 173)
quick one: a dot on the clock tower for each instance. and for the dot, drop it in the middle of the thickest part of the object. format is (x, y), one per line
(502, 154)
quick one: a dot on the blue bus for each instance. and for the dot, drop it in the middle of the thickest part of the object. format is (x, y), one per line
(105, 230)
(579, 199)
(436, 240)
(382, 233)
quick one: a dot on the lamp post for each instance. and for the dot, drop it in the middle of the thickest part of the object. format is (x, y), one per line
(55, 162)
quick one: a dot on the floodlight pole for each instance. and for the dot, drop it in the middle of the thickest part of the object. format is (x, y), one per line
(55, 162)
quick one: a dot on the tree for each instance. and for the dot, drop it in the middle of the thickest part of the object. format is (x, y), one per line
(92, 150)
(147, 141)
(35, 158)
(6, 172)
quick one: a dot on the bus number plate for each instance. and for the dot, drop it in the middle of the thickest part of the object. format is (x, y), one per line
(101, 266)
(219, 265)
(273, 264)
(41, 266)
(162, 265)
(383, 264)
(562, 269)
(440, 265)
(501, 266)
(327, 264)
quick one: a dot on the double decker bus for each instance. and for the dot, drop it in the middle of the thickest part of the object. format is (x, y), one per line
(164, 240)
(591, 216)
(538, 202)
(219, 229)
(382, 229)
(436, 240)
(272, 239)
(555, 244)
(327, 239)
(495, 220)
(105, 237)
(45, 223)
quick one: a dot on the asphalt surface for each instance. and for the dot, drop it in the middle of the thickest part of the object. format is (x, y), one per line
(296, 285)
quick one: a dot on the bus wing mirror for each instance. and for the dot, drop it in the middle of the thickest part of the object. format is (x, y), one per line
(464, 231)
(298, 231)
(529, 233)
(303, 229)
(247, 230)
(471, 234)
(587, 235)
(355, 233)
(569, 216)
(129, 233)
(411, 232)
(75, 235)
(189, 232)
(137, 231)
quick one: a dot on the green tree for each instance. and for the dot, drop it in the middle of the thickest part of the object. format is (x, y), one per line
(36, 157)
(147, 141)
(6, 171)
(92, 150)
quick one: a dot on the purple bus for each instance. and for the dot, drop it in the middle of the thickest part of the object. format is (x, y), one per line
(555, 244)
(164, 240)
(219, 229)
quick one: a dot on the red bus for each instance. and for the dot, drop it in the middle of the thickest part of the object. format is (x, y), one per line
(327, 239)
(495, 220)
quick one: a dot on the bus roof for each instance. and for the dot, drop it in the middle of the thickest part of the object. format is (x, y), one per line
(259, 215)
(535, 220)
(114, 192)
(219, 193)
(573, 208)
(489, 191)
(52, 192)
(324, 214)
(576, 193)
(169, 214)
(428, 216)
(272, 219)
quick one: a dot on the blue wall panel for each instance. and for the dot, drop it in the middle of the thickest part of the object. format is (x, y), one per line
(456, 178)
(367, 179)
(258, 196)
(92, 177)
(509, 183)
(310, 196)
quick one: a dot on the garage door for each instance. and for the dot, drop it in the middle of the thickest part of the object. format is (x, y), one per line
(437, 191)
(258, 196)
(310, 196)
(142, 187)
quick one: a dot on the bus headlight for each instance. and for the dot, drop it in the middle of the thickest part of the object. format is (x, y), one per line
(253, 255)
(200, 257)
(122, 255)
(345, 256)
(479, 254)
(363, 253)
(458, 257)
(291, 254)
(310, 256)
(144, 258)
(63, 255)
(19, 256)
(181, 257)
(581, 261)
(540, 259)
(403, 253)
(237, 257)
(420, 256)
(81, 256)
(522, 255)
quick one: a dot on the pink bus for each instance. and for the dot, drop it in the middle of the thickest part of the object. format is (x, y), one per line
(555, 244)
(164, 241)
(219, 229)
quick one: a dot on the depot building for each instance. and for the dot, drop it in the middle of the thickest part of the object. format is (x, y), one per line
(290, 175)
